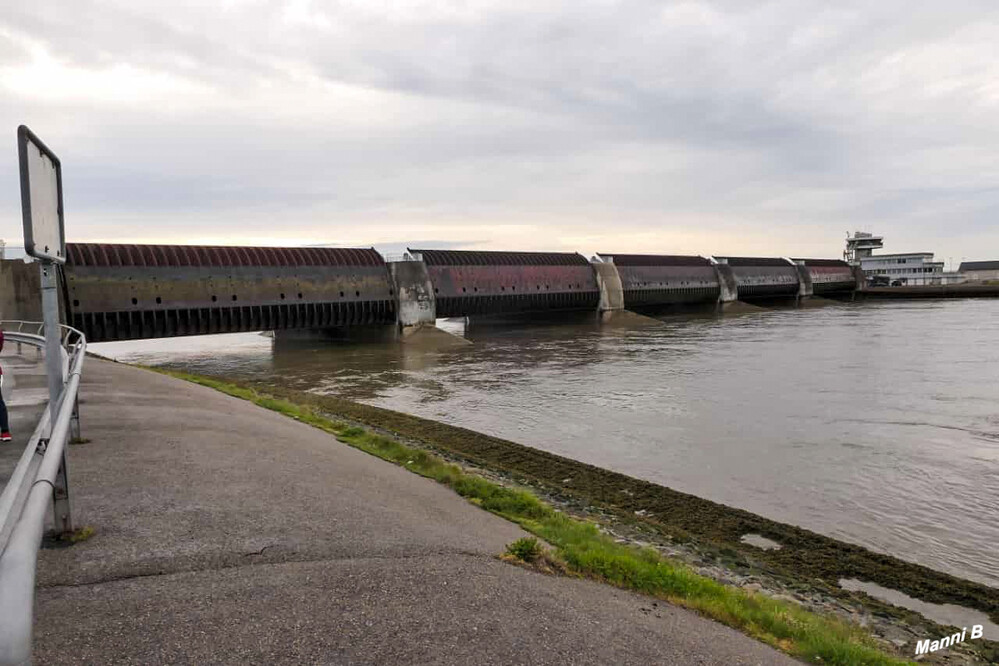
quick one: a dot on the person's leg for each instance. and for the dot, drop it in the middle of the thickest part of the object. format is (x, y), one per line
(4, 422)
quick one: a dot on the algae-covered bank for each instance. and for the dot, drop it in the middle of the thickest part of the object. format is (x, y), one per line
(692, 551)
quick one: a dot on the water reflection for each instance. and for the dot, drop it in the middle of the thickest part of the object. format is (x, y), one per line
(944, 614)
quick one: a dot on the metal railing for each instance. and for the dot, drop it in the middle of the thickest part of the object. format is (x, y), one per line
(38, 480)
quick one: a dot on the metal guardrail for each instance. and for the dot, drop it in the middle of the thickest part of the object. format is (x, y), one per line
(37, 481)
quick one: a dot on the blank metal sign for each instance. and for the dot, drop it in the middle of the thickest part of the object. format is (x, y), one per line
(41, 198)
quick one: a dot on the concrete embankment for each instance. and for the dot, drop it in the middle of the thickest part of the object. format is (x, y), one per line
(931, 291)
(227, 533)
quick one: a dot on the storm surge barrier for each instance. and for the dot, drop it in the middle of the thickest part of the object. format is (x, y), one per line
(121, 292)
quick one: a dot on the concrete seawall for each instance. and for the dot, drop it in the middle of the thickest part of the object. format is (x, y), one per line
(930, 291)
(20, 290)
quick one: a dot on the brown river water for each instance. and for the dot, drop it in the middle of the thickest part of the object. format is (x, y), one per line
(875, 423)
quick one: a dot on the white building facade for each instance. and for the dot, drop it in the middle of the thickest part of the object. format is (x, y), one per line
(910, 269)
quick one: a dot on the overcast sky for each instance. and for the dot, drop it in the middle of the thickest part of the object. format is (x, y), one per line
(722, 127)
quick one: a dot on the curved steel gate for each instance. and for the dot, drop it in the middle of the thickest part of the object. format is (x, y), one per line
(650, 280)
(119, 292)
(480, 283)
(830, 276)
(763, 277)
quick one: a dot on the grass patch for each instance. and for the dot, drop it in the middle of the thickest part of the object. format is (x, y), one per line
(527, 549)
(580, 548)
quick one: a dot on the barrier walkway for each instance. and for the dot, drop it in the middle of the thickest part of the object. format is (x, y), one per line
(227, 533)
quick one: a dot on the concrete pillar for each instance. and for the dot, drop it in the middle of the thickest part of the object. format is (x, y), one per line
(805, 287)
(417, 308)
(611, 291)
(860, 280)
(728, 288)
(415, 293)
(611, 308)
(728, 291)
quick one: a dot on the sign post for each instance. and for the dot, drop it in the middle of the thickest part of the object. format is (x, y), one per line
(45, 240)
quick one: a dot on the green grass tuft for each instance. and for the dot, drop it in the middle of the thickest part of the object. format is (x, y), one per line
(526, 549)
(584, 550)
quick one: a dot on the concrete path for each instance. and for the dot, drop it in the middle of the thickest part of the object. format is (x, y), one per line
(227, 533)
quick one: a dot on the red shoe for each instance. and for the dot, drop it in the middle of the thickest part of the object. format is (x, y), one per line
(5, 436)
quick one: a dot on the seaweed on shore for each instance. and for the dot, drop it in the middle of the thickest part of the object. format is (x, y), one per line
(804, 555)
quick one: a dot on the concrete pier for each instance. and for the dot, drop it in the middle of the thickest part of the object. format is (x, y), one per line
(226, 533)
(417, 309)
(611, 291)
(417, 306)
(805, 289)
(728, 295)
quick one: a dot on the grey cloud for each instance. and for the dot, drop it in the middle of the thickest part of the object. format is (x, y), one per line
(91, 32)
(656, 112)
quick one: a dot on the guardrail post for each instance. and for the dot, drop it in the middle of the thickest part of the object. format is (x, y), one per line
(61, 509)
(55, 370)
(74, 424)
